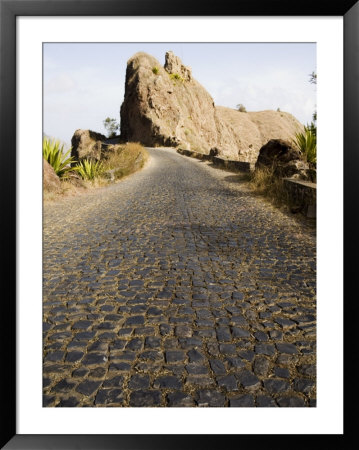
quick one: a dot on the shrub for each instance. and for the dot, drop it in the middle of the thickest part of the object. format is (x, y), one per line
(53, 152)
(306, 142)
(176, 77)
(241, 108)
(89, 170)
(155, 70)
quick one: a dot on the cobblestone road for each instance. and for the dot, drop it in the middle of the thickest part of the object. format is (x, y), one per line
(177, 287)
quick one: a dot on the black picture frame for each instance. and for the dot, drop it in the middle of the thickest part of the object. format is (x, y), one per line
(9, 10)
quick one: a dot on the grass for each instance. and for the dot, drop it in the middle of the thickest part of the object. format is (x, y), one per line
(121, 160)
(264, 182)
(53, 152)
(176, 77)
(126, 159)
(155, 70)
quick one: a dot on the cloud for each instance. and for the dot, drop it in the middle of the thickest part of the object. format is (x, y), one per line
(59, 84)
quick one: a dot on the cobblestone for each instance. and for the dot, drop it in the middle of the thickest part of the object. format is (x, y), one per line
(177, 287)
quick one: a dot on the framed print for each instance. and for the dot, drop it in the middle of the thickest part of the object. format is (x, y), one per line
(166, 301)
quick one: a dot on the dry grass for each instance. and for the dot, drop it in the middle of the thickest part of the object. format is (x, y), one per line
(126, 159)
(122, 160)
(264, 182)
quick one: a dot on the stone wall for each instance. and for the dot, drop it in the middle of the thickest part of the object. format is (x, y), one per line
(303, 194)
(218, 161)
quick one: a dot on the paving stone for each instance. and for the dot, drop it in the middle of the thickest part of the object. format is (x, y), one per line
(248, 380)
(152, 342)
(261, 336)
(108, 396)
(246, 401)
(236, 362)
(210, 398)
(240, 332)
(265, 349)
(167, 382)
(74, 356)
(48, 400)
(303, 385)
(195, 356)
(88, 387)
(281, 372)
(307, 369)
(196, 369)
(217, 366)
(264, 401)
(178, 399)
(229, 382)
(80, 373)
(94, 358)
(287, 348)
(63, 386)
(98, 372)
(68, 402)
(145, 398)
(116, 381)
(183, 331)
(175, 356)
(155, 285)
(290, 401)
(274, 385)
(261, 366)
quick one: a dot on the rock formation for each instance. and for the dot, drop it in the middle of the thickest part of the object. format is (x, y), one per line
(167, 106)
(51, 182)
(87, 144)
(285, 160)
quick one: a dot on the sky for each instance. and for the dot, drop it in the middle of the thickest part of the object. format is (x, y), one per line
(83, 83)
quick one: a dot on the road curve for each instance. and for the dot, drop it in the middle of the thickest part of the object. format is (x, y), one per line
(177, 287)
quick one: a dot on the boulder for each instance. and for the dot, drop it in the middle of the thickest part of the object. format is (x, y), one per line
(167, 106)
(87, 144)
(51, 182)
(286, 160)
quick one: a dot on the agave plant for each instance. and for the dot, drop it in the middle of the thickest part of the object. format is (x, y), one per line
(307, 144)
(53, 152)
(88, 169)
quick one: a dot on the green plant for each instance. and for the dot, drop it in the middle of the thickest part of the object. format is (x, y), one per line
(155, 70)
(306, 142)
(176, 77)
(89, 170)
(53, 152)
(241, 108)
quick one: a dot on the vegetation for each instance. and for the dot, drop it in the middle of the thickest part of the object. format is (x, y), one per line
(53, 152)
(125, 159)
(111, 126)
(155, 70)
(306, 142)
(241, 108)
(89, 169)
(265, 182)
(176, 77)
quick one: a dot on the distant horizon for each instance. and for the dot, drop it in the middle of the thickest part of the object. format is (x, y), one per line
(84, 83)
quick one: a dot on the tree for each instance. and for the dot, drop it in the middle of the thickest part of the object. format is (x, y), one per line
(313, 125)
(111, 126)
(313, 78)
(241, 108)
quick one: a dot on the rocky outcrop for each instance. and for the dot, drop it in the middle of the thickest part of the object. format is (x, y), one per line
(51, 182)
(285, 160)
(167, 106)
(87, 144)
